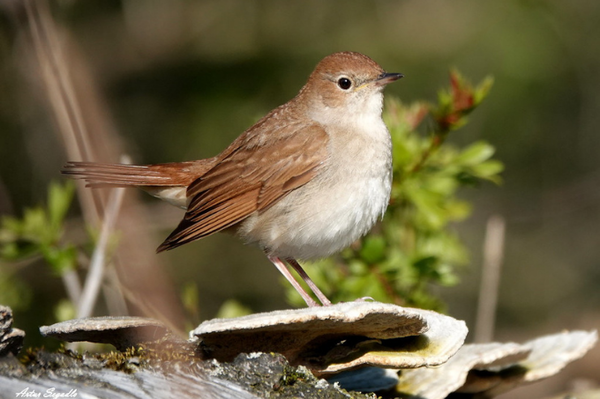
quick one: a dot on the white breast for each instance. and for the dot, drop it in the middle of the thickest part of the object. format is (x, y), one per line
(337, 207)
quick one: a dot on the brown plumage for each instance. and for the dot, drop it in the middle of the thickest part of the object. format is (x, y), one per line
(329, 141)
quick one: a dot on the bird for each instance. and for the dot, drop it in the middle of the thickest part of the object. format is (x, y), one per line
(304, 182)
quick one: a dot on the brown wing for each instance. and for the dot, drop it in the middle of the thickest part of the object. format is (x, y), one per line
(252, 175)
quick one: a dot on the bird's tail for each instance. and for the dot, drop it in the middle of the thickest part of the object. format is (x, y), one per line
(121, 175)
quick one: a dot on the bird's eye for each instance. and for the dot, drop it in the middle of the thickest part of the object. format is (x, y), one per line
(344, 83)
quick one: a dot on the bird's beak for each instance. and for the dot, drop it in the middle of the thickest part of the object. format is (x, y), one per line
(386, 78)
(381, 80)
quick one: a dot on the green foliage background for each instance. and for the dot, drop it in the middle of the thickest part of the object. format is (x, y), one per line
(414, 246)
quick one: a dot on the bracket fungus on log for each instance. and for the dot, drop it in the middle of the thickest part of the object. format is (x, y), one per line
(120, 331)
(345, 336)
(441, 381)
(11, 339)
(342, 342)
(494, 368)
(548, 356)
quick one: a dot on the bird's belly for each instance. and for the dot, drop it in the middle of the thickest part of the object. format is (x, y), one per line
(326, 217)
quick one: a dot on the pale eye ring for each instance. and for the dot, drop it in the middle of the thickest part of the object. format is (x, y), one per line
(344, 83)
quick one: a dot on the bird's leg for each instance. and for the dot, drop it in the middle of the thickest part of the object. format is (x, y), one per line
(313, 287)
(288, 275)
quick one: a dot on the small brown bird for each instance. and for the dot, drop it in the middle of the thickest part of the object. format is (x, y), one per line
(304, 182)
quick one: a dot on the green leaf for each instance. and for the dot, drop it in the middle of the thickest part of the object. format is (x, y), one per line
(357, 267)
(233, 308)
(447, 277)
(65, 310)
(11, 228)
(59, 201)
(475, 153)
(483, 89)
(35, 225)
(60, 259)
(427, 265)
(489, 170)
(457, 209)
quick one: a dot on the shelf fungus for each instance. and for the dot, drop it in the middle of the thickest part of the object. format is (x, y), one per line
(359, 346)
(120, 331)
(488, 370)
(345, 336)
(11, 339)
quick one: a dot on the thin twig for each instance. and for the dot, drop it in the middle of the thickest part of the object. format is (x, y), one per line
(59, 88)
(72, 285)
(437, 139)
(113, 293)
(96, 272)
(493, 252)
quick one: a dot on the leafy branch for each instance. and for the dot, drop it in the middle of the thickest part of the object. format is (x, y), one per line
(414, 246)
(39, 234)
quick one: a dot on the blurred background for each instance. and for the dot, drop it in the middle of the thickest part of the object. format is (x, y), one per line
(178, 80)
